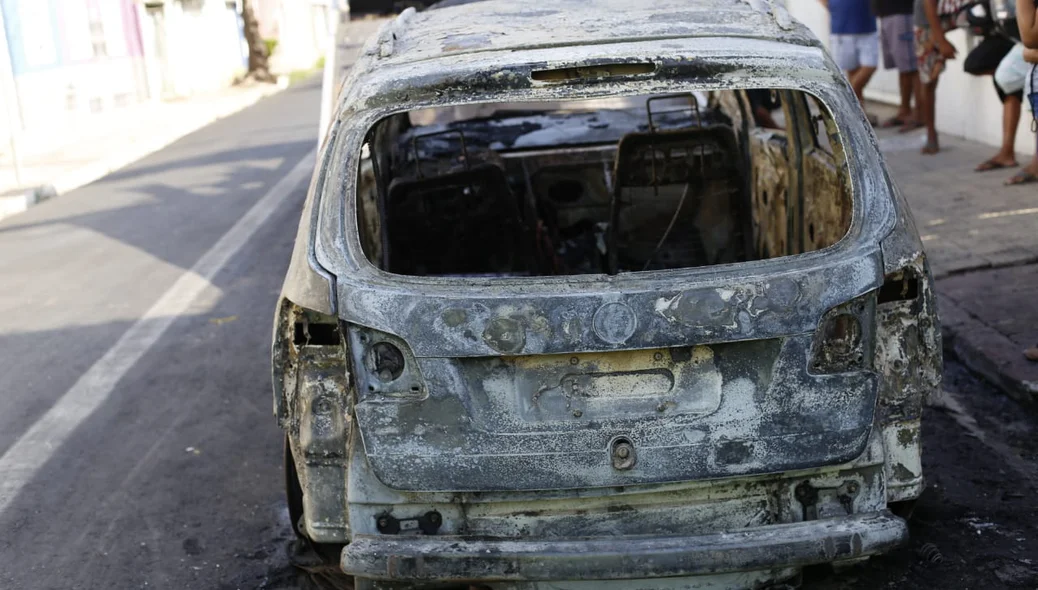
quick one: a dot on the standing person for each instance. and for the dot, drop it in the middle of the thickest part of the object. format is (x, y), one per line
(1011, 76)
(985, 59)
(897, 38)
(1028, 23)
(853, 41)
(931, 50)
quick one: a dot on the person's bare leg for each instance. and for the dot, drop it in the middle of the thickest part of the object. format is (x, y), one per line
(851, 74)
(929, 111)
(917, 88)
(906, 83)
(1010, 122)
(915, 117)
(1006, 155)
(1026, 175)
(859, 79)
(1032, 167)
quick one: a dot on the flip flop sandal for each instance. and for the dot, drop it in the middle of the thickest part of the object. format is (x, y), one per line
(1022, 178)
(993, 165)
(893, 122)
(910, 126)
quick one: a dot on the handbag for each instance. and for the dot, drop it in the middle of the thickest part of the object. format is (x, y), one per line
(1004, 14)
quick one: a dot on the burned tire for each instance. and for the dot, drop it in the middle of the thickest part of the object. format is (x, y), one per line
(293, 490)
(903, 509)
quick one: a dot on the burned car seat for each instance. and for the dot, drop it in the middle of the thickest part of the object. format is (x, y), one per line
(696, 176)
(487, 237)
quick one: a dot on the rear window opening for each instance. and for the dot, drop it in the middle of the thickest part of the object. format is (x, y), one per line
(602, 186)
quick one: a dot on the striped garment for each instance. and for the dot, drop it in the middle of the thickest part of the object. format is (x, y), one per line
(952, 7)
(947, 10)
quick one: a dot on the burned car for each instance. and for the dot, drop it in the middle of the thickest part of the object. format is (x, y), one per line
(600, 294)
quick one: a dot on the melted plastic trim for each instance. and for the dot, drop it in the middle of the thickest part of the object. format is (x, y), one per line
(598, 71)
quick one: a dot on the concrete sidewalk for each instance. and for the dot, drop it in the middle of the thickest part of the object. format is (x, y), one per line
(982, 241)
(55, 162)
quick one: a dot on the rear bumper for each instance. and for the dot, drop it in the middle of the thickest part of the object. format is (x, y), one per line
(456, 559)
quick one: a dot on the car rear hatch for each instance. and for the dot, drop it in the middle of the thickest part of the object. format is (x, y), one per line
(628, 382)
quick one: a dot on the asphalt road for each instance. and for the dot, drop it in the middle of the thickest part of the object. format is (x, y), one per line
(173, 480)
(170, 475)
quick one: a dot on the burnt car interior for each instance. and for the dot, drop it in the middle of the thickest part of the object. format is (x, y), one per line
(602, 186)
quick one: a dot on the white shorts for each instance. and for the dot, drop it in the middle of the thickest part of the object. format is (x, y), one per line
(855, 51)
(1012, 72)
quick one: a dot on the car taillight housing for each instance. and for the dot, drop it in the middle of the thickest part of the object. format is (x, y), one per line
(383, 366)
(844, 339)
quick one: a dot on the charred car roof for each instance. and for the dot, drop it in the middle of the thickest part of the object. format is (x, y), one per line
(501, 25)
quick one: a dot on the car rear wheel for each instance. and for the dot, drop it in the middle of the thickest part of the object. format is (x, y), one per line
(316, 558)
(293, 490)
(903, 509)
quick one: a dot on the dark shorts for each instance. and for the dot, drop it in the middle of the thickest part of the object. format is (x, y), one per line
(986, 56)
(898, 42)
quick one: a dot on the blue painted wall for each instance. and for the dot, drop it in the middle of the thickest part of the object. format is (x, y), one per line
(17, 35)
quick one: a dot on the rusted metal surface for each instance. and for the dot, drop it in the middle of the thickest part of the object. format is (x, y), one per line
(438, 560)
(311, 399)
(693, 402)
(499, 418)
(827, 205)
(769, 149)
(909, 354)
(368, 212)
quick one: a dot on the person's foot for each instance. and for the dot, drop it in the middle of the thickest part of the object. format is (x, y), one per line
(997, 163)
(902, 119)
(1032, 353)
(1028, 175)
(895, 121)
(1022, 177)
(911, 124)
(931, 147)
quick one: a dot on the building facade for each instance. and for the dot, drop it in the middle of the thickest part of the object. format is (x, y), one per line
(68, 59)
(72, 57)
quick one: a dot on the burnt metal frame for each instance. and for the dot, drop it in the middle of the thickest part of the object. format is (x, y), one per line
(612, 237)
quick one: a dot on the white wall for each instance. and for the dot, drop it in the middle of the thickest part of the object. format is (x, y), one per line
(302, 35)
(967, 106)
(203, 45)
(54, 98)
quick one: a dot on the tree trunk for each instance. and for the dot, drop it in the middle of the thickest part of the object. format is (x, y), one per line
(259, 68)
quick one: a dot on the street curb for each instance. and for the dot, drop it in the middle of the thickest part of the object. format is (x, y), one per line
(18, 203)
(11, 204)
(987, 352)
